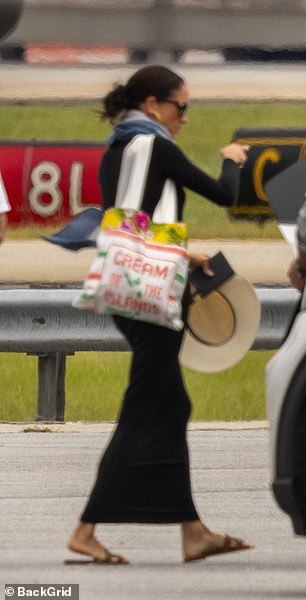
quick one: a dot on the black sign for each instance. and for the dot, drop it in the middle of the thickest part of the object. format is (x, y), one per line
(271, 151)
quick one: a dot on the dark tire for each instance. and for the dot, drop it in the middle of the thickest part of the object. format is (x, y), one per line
(9, 14)
(290, 483)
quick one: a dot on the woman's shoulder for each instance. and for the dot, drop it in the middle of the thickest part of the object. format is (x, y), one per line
(166, 147)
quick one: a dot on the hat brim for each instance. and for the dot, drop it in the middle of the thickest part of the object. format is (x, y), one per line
(239, 329)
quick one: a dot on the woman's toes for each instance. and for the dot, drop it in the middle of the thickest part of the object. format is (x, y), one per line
(237, 543)
(116, 560)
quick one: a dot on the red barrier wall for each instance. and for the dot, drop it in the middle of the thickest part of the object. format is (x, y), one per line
(49, 182)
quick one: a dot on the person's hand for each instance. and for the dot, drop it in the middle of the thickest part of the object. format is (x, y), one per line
(3, 226)
(236, 152)
(297, 275)
(201, 260)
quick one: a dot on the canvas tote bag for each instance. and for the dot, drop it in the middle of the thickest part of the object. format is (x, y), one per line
(141, 267)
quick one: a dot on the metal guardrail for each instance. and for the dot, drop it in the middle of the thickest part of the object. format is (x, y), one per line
(42, 322)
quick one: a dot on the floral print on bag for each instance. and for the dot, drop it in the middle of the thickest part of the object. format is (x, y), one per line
(139, 222)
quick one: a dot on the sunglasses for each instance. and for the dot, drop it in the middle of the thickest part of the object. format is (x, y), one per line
(181, 108)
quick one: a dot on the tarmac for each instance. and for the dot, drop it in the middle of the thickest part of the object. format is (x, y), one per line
(39, 262)
(206, 82)
(46, 478)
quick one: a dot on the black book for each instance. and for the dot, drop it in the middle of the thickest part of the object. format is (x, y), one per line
(205, 284)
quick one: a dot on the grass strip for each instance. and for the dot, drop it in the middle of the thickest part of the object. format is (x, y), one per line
(95, 383)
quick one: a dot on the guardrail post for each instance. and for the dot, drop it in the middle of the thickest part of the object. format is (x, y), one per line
(51, 386)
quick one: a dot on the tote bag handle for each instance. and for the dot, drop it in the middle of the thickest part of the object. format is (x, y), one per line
(132, 180)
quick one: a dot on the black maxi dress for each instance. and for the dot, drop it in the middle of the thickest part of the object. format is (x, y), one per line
(144, 474)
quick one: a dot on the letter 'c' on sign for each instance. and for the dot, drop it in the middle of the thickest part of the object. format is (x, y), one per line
(268, 155)
(45, 178)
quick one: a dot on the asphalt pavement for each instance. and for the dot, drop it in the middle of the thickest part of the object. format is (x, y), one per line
(47, 476)
(39, 262)
(229, 81)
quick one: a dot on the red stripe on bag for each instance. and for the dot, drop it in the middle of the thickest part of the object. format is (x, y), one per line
(156, 246)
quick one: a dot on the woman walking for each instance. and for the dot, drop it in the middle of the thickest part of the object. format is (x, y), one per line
(144, 475)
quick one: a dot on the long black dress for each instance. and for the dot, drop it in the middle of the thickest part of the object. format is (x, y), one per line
(144, 474)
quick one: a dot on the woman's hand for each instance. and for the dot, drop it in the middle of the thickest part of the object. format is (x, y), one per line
(3, 226)
(297, 275)
(200, 260)
(236, 152)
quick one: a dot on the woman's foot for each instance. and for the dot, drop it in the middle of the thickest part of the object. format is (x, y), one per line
(199, 542)
(83, 541)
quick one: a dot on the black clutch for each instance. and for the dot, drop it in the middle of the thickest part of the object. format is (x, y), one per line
(204, 284)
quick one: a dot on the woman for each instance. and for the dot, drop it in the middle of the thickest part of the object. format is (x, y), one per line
(4, 209)
(297, 268)
(144, 474)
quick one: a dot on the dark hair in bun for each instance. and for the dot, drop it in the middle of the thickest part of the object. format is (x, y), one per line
(153, 80)
(114, 103)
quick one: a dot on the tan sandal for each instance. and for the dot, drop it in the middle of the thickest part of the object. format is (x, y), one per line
(230, 544)
(110, 559)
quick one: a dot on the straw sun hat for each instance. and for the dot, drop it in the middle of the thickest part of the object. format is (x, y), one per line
(222, 321)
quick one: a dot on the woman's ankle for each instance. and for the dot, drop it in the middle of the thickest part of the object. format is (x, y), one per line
(194, 528)
(83, 531)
